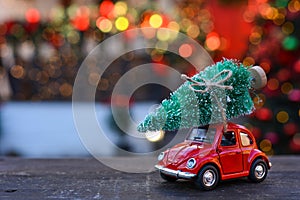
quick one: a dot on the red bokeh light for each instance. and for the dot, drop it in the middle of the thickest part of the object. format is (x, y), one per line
(290, 128)
(294, 146)
(284, 75)
(81, 23)
(185, 50)
(106, 7)
(264, 114)
(297, 66)
(32, 15)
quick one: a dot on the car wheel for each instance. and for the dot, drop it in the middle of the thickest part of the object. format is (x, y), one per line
(258, 171)
(167, 177)
(208, 178)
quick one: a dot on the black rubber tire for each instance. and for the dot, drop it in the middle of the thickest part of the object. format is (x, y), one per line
(208, 178)
(167, 177)
(258, 171)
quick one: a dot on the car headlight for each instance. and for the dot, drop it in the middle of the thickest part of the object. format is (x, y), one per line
(191, 163)
(161, 156)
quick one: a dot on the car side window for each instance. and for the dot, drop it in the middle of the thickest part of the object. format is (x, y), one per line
(245, 139)
(228, 139)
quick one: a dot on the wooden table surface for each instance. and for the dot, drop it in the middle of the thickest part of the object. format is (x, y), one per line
(87, 178)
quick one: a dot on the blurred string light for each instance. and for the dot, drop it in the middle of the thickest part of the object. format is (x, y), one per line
(273, 44)
(155, 136)
(118, 16)
(57, 39)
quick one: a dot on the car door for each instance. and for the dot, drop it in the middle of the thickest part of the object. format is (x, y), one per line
(230, 154)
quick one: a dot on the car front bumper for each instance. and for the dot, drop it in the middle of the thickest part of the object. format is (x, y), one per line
(175, 173)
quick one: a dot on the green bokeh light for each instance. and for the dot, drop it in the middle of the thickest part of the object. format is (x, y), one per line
(290, 43)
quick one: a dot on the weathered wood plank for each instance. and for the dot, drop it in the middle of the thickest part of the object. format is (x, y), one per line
(87, 178)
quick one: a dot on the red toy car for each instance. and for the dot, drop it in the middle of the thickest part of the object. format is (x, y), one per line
(210, 154)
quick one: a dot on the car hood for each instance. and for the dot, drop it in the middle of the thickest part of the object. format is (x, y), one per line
(183, 151)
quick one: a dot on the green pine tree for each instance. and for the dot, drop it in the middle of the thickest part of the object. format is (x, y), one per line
(196, 105)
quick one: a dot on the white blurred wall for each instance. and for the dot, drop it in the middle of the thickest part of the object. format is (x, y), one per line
(46, 129)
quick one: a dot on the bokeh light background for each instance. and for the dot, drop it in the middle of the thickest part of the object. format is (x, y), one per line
(43, 43)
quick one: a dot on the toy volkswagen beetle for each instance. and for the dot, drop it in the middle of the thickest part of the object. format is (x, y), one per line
(210, 154)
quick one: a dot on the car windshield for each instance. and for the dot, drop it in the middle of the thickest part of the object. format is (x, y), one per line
(202, 134)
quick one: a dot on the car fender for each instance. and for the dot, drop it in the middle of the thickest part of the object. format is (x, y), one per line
(254, 154)
(213, 160)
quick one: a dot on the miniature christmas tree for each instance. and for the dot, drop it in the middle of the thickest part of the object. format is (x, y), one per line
(218, 93)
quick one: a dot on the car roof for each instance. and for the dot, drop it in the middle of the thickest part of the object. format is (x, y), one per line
(235, 126)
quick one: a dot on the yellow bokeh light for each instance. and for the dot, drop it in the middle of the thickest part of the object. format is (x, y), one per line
(255, 38)
(122, 23)
(155, 136)
(265, 145)
(248, 61)
(259, 100)
(193, 31)
(17, 71)
(73, 37)
(163, 34)
(155, 21)
(288, 28)
(104, 25)
(120, 8)
(94, 78)
(286, 88)
(282, 117)
(280, 19)
(185, 24)
(271, 13)
(213, 41)
(294, 6)
(174, 26)
(66, 89)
